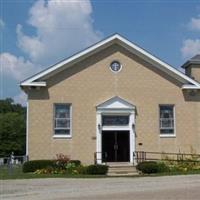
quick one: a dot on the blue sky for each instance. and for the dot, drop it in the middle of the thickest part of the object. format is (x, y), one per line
(36, 34)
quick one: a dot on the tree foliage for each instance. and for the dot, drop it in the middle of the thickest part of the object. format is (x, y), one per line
(12, 128)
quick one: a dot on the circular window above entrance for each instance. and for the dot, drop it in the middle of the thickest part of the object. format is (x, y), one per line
(115, 66)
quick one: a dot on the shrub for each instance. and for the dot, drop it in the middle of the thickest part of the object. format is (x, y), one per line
(62, 160)
(97, 169)
(81, 169)
(76, 162)
(162, 167)
(184, 166)
(150, 167)
(33, 165)
(71, 168)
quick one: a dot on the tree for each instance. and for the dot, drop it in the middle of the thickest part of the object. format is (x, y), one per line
(12, 128)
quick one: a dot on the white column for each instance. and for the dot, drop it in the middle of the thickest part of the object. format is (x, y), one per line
(132, 135)
(98, 138)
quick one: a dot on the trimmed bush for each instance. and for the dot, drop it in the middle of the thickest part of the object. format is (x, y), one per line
(33, 165)
(82, 169)
(162, 167)
(151, 167)
(75, 162)
(97, 169)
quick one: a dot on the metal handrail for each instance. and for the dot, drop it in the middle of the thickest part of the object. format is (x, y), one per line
(144, 156)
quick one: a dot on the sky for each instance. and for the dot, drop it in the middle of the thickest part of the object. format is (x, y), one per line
(35, 34)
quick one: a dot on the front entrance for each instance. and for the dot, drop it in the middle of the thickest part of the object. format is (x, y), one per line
(115, 146)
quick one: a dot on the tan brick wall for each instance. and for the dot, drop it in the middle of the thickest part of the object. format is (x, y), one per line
(90, 83)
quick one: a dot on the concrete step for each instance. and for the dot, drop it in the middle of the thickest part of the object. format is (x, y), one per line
(122, 170)
(122, 174)
(118, 170)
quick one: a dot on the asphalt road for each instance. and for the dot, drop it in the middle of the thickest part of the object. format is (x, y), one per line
(168, 187)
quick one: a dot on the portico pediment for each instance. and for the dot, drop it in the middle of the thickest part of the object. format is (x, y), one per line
(115, 103)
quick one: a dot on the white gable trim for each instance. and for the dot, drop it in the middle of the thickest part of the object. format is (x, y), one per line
(37, 84)
(103, 44)
(192, 87)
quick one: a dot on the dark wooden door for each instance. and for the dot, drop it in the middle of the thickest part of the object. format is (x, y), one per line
(115, 146)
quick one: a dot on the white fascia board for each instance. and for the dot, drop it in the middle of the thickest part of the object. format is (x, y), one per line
(192, 87)
(37, 84)
(163, 64)
(122, 40)
(76, 56)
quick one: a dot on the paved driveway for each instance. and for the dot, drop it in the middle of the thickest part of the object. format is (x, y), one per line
(171, 187)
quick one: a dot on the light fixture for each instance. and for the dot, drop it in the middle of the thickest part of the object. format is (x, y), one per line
(99, 126)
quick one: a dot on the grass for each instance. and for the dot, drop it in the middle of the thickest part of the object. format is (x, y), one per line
(16, 173)
(172, 173)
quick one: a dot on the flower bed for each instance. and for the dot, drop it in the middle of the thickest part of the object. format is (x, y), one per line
(63, 165)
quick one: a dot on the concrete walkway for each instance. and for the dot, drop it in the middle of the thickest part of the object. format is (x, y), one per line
(169, 187)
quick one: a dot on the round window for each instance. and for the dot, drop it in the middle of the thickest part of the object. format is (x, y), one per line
(115, 66)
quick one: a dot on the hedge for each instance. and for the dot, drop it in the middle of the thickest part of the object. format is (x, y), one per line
(33, 165)
(97, 169)
(75, 162)
(151, 167)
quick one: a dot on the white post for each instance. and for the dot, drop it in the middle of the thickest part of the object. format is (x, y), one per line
(98, 138)
(132, 136)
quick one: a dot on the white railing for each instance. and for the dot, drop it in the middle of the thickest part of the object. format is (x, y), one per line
(13, 160)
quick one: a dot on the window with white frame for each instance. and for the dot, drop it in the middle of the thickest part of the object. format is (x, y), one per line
(62, 119)
(115, 120)
(167, 120)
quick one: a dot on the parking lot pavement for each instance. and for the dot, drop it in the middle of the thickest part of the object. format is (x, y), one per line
(168, 187)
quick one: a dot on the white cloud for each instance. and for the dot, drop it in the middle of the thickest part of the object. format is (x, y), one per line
(21, 98)
(190, 48)
(16, 67)
(62, 27)
(194, 23)
(2, 24)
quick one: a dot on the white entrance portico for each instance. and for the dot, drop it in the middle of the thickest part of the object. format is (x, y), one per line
(115, 115)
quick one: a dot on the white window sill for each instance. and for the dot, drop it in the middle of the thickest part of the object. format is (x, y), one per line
(167, 136)
(62, 136)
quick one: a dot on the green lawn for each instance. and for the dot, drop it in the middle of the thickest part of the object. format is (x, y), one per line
(16, 173)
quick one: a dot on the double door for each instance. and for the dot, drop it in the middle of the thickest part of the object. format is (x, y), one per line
(115, 146)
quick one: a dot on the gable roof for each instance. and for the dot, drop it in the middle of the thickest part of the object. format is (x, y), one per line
(39, 79)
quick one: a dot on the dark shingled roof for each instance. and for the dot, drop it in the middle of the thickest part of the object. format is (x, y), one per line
(196, 58)
(193, 60)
